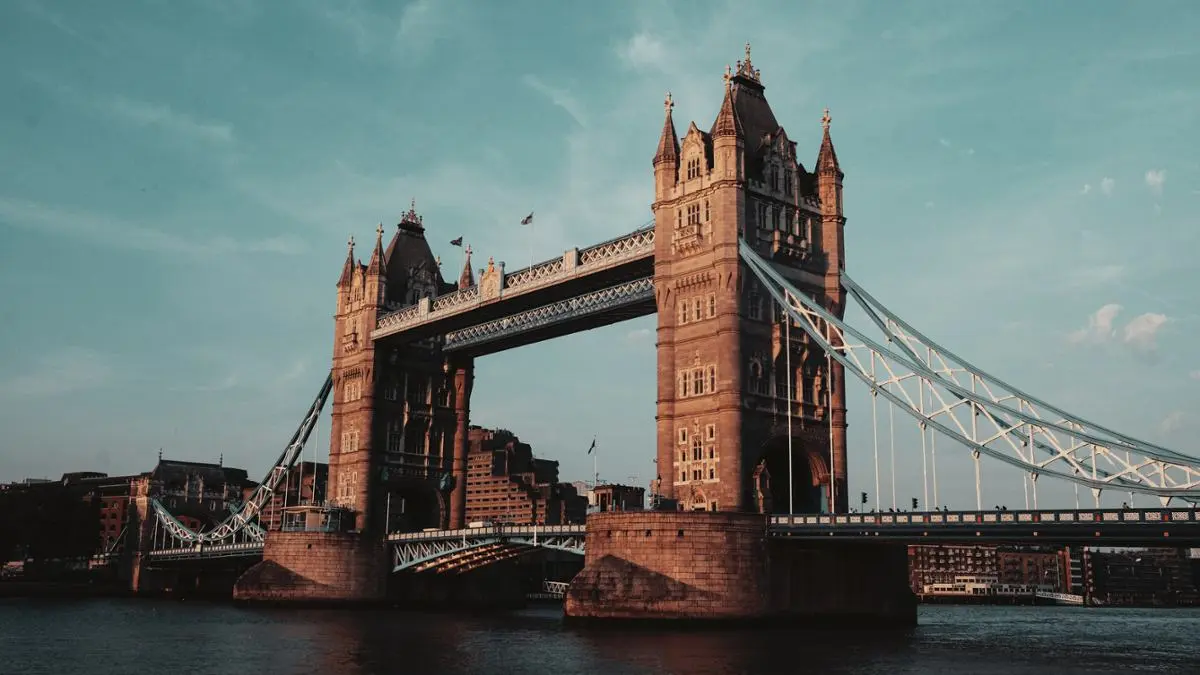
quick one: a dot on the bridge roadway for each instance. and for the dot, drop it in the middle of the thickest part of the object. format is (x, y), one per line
(460, 550)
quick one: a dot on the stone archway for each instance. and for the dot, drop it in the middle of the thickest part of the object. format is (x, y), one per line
(809, 476)
(414, 506)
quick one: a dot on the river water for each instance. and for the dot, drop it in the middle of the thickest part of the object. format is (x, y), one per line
(101, 637)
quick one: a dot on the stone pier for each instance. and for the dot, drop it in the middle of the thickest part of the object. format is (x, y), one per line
(316, 568)
(713, 566)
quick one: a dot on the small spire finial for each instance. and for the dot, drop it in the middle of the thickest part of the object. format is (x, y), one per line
(438, 260)
(747, 54)
(728, 75)
(379, 232)
(350, 242)
(468, 250)
(668, 103)
(412, 205)
(825, 120)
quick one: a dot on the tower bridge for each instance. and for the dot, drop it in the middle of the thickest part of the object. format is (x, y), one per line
(744, 266)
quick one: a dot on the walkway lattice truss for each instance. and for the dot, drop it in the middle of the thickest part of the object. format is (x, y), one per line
(463, 550)
(946, 393)
(242, 526)
(587, 304)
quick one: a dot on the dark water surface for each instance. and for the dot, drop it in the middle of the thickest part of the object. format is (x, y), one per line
(104, 637)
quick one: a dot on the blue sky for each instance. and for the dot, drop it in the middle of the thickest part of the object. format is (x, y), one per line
(181, 177)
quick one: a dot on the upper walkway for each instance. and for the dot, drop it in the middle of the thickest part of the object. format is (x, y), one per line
(626, 261)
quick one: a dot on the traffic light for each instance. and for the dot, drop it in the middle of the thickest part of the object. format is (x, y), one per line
(914, 503)
(864, 498)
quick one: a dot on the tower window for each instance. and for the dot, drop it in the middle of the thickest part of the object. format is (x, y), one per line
(712, 305)
(706, 210)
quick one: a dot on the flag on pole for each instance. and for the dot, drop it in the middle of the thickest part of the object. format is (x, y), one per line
(527, 219)
(593, 447)
(456, 242)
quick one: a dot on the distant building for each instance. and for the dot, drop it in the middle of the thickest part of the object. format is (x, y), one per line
(199, 494)
(507, 484)
(1155, 577)
(938, 564)
(613, 497)
(304, 485)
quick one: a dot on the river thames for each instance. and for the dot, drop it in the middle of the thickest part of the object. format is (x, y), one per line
(102, 637)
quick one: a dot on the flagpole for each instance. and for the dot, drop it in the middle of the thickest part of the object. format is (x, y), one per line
(531, 243)
(595, 470)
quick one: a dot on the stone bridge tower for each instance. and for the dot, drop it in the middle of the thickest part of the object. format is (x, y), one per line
(723, 380)
(393, 419)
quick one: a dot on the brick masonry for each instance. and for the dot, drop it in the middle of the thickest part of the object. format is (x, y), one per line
(316, 567)
(672, 565)
(721, 566)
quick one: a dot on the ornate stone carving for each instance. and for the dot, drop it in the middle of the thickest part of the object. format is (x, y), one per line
(491, 281)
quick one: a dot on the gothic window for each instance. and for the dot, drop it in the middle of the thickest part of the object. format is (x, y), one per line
(697, 449)
(712, 475)
(684, 382)
(712, 305)
(683, 436)
(682, 476)
(698, 381)
(706, 210)
(693, 214)
(710, 432)
(391, 391)
(774, 179)
(395, 437)
(349, 441)
(775, 219)
(787, 182)
(754, 305)
(710, 378)
(420, 392)
(678, 218)
(757, 383)
(351, 389)
(685, 308)
(697, 308)
(762, 215)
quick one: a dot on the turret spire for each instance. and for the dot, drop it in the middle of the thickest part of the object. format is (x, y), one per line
(467, 278)
(827, 161)
(348, 268)
(376, 264)
(728, 123)
(668, 143)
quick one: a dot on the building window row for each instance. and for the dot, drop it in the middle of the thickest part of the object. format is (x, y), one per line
(698, 381)
(697, 308)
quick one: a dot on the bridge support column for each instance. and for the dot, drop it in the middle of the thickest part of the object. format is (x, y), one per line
(464, 378)
(316, 567)
(705, 566)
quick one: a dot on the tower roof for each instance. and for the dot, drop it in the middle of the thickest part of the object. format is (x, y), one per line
(377, 259)
(348, 268)
(746, 104)
(668, 142)
(827, 161)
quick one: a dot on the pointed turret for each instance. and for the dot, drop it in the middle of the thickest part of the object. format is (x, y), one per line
(827, 161)
(377, 260)
(728, 122)
(467, 278)
(348, 268)
(668, 143)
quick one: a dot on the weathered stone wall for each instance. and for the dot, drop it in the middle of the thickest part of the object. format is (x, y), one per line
(316, 567)
(720, 565)
(672, 565)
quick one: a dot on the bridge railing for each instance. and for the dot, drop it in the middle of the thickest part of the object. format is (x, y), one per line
(498, 530)
(203, 550)
(975, 518)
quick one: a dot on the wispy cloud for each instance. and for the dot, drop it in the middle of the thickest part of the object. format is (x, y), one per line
(1095, 275)
(1099, 326)
(163, 117)
(115, 232)
(1107, 185)
(1155, 178)
(60, 372)
(559, 97)
(1140, 333)
(1173, 422)
(1087, 187)
(640, 336)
